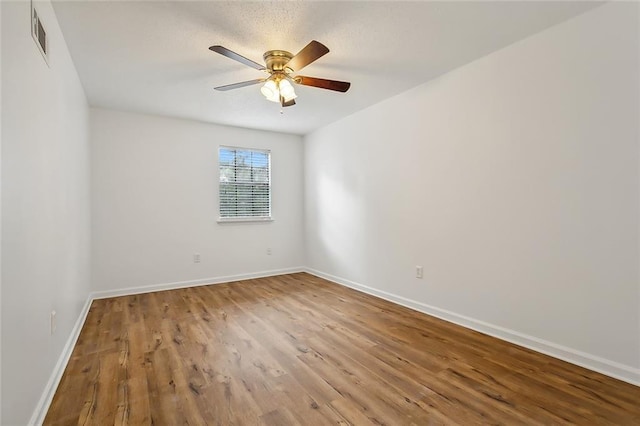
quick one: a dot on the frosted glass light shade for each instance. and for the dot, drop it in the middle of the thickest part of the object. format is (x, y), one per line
(270, 91)
(287, 91)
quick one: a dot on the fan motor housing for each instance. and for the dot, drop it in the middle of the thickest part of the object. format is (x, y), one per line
(276, 59)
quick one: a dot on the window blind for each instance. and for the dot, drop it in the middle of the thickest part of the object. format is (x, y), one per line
(245, 183)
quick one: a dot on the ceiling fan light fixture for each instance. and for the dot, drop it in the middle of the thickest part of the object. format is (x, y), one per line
(281, 65)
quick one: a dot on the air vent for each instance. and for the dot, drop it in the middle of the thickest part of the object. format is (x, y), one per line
(39, 34)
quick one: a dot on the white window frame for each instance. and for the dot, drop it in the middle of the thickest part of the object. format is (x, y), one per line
(232, 219)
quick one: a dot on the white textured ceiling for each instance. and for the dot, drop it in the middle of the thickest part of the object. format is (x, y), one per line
(153, 57)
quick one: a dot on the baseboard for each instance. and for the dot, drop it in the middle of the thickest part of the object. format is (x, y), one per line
(607, 367)
(193, 283)
(37, 418)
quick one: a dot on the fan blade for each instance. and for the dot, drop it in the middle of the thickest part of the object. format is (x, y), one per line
(233, 55)
(239, 85)
(287, 103)
(338, 86)
(307, 55)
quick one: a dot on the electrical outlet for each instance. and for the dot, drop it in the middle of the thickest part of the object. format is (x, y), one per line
(52, 322)
(419, 272)
(196, 257)
(269, 251)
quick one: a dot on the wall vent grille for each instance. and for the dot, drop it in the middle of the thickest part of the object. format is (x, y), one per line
(39, 34)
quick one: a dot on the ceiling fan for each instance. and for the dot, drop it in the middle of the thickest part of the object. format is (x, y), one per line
(281, 66)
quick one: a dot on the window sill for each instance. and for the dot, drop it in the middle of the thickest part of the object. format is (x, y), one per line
(224, 220)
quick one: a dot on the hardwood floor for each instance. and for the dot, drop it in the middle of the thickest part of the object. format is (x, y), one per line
(296, 349)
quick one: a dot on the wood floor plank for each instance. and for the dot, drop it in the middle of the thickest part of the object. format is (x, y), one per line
(299, 350)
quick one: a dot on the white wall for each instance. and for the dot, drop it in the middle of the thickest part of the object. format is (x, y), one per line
(45, 207)
(513, 180)
(154, 204)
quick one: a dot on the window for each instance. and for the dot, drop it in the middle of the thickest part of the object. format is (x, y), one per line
(245, 184)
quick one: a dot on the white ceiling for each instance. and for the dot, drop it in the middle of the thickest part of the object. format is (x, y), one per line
(153, 57)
